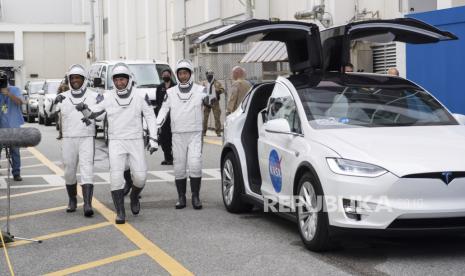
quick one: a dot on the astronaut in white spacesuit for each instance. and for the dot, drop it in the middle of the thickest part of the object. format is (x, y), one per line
(124, 108)
(78, 138)
(184, 103)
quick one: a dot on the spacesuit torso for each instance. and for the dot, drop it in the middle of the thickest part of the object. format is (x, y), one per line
(185, 109)
(124, 115)
(72, 126)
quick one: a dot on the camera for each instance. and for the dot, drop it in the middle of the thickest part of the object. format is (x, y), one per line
(3, 79)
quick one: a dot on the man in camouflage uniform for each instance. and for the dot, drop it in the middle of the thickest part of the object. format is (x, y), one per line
(214, 90)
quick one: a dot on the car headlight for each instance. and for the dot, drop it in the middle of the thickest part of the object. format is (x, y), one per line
(354, 168)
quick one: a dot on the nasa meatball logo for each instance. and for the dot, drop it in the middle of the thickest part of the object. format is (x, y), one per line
(275, 170)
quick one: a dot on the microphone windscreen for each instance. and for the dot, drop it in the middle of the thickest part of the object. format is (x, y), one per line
(20, 137)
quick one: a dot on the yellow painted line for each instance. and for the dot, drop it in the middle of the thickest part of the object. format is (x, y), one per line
(161, 257)
(62, 234)
(34, 192)
(213, 141)
(38, 212)
(97, 263)
(57, 170)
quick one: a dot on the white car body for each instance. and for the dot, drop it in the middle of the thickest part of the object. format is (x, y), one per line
(400, 177)
(45, 99)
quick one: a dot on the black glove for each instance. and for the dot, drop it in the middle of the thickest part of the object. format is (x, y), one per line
(81, 106)
(59, 98)
(153, 145)
(86, 121)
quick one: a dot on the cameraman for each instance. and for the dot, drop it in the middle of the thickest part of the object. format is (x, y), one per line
(11, 116)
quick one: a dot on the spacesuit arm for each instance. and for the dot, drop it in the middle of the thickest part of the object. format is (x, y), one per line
(165, 108)
(150, 118)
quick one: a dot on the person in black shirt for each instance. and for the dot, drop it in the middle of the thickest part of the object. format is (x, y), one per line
(165, 134)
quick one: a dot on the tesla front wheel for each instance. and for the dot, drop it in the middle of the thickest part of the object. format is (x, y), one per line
(311, 218)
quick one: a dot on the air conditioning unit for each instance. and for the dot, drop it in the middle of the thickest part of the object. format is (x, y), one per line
(411, 6)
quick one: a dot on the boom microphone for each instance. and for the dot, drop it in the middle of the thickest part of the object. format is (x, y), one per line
(20, 137)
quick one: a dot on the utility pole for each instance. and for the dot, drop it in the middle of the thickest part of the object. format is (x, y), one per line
(92, 32)
(249, 9)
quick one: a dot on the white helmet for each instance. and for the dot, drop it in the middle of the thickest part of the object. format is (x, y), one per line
(185, 64)
(122, 70)
(77, 69)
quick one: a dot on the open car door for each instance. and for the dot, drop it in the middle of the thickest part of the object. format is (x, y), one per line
(336, 41)
(302, 40)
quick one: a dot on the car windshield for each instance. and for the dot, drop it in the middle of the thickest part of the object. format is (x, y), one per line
(35, 87)
(52, 87)
(146, 75)
(330, 105)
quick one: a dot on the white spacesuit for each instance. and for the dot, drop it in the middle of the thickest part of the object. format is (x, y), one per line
(124, 108)
(184, 103)
(78, 138)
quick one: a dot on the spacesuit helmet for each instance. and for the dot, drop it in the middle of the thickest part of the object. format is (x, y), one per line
(186, 65)
(122, 70)
(77, 69)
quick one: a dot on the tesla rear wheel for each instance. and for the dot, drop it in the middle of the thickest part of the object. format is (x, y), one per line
(232, 186)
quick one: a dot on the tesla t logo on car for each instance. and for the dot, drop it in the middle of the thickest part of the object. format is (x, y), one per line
(275, 170)
(447, 177)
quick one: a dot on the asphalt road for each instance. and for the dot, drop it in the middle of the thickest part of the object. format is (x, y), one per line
(162, 240)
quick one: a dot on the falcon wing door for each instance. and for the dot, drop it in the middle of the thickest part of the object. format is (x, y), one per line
(336, 41)
(302, 40)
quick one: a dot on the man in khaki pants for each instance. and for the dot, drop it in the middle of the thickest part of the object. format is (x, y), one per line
(239, 89)
(214, 90)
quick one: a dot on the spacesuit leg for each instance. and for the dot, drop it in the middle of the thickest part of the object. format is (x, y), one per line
(194, 157)
(117, 154)
(138, 166)
(86, 166)
(70, 153)
(179, 162)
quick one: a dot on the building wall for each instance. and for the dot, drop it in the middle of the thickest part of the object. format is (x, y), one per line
(442, 71)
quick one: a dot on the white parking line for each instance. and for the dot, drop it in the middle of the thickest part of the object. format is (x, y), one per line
(54, 180)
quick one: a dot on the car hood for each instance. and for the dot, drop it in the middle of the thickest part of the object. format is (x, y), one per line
(51, 96)
(151, 92)
(401, 150)
(34, 97)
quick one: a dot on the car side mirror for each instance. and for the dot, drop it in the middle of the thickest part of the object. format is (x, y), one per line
(460, 118)
(98, 83)
(41, 92)
(24, 92)
(278, 126)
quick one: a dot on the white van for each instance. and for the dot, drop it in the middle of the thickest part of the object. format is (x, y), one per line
(147, 75)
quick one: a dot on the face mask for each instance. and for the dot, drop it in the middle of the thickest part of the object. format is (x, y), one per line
(166, 79)
(209, 78)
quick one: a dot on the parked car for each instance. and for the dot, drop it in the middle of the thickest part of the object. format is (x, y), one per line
(30, 107)
(47, 95)
(147, 75)
(338, 151)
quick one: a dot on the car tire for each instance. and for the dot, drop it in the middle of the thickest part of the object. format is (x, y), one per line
(232, 186)
(30, 118)
(47, 120)
(40, 119)
(313, 226)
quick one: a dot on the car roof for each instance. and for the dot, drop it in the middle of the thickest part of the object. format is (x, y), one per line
(350, 79)
(53, 80)
(35, 81)
(135, 61)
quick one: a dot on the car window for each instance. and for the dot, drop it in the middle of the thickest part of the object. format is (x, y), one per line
(281, 105)
(146, 75)
(103, 74)
(34, 87)
(245, 101)
(51, 87)
(336, 106)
